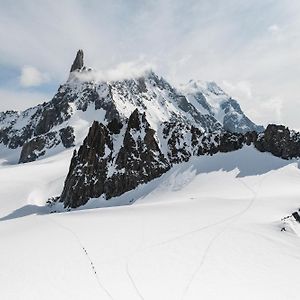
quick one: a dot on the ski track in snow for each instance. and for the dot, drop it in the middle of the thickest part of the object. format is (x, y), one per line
(228, 219)
(210, 244)
(133, 282)
(78, 240)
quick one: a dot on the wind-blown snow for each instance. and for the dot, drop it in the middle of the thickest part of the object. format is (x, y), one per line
(207, 229)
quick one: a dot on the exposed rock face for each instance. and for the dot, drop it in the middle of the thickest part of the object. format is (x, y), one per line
(37, 146)
(31, 149)
(139, 159)
(280, 141)
(89, 167)
(67, 136)
(186, 141)
(296, 216)
(115, 158)
(100, 167)
(78, 62)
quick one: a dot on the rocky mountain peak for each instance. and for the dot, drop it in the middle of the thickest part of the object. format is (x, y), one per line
(78, 61)
(84, 98)
(134, 121)
(103, 168)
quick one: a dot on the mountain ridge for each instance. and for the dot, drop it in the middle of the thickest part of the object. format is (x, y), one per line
(112, 162)
(63, 122)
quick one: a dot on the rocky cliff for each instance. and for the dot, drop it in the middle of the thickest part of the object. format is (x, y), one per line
(112, 161)
(118, 157)
(280, 141)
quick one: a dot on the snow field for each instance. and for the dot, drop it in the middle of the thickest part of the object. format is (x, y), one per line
(207, 229)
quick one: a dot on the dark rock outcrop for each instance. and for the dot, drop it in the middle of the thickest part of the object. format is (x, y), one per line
(37, 146)
(115, 126)
(184, 141)
(139, 159)
(67, 136)
(78, 62)
(48, 116)
(280, 141)
(100, 168)
(89, 167)
(30, 150)
(296, 216)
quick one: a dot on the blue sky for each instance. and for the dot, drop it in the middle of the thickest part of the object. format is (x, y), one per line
(250, 48)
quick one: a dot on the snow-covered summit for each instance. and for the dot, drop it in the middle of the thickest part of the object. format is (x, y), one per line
(210, 99)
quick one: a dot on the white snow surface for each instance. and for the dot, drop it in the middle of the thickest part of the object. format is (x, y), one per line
(207, 229)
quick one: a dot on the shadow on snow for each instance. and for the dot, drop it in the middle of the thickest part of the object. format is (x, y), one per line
(25, 211)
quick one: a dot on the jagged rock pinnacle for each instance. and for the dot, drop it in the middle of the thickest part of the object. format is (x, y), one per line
(78, 62)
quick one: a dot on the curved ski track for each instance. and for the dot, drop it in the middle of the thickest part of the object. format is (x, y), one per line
(236, 216)
(230, 218)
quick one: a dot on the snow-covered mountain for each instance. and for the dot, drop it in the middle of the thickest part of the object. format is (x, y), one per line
(129, 132)
(63, 122)
(210, 99)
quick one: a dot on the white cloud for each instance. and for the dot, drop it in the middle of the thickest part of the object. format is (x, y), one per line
(129, 69)
(30, 76)
(126, 70)
(236, 41)
(273, 28)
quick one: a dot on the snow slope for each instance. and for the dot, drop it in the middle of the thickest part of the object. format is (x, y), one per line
(207, 229)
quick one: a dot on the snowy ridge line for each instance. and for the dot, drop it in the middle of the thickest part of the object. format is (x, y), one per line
(87, 256)
(233, 218)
